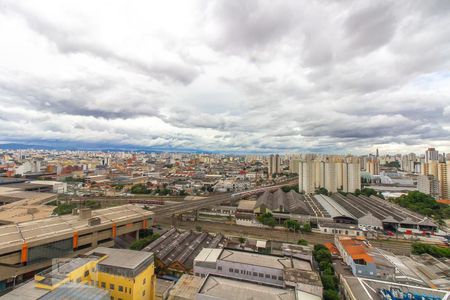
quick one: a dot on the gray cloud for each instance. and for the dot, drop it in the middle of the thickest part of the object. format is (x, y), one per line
(250, 76)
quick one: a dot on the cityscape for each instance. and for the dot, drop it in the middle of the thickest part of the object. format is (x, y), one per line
(225, 150)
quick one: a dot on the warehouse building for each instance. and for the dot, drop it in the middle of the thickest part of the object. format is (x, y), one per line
(175, 250)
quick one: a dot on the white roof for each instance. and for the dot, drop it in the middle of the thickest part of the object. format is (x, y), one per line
(261, 244)
(208, 255)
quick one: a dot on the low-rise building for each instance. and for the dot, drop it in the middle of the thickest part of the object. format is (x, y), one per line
(279, 271)
(103, 273)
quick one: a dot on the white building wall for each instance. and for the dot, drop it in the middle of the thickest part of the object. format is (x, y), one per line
(242, 271)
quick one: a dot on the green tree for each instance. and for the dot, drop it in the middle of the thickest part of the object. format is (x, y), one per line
(292, 225)
(267, 219)
(242, 240)
(436, 251)
(64, 209)
(140, 189)
(306, 227)
(331, 295)
(142, 243)
(322, 191)
(302, 242)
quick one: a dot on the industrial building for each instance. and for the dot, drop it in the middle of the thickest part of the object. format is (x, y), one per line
(28, 247)
(280, 202)
(175, 251)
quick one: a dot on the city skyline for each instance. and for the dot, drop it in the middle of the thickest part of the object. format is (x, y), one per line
(253, 77)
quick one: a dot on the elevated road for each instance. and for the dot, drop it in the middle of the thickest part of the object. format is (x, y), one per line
(171, 209)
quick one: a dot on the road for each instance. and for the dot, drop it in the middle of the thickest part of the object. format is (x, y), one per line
(399, 247)
(168, 210)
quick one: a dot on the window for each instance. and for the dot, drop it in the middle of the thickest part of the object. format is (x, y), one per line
(143, 293)
(346, 232)
(197, 274)
(267, 275)
(120, 288)
(112, 298)
(103, 285)
(111, 286)
(144, 281)
(261, 275)
(129, 290)
(126, 290)
(236, 271)
(274, 277)
(231, 270)
(86, 273)
(219, 268)
(202, 276)
(280, 277)
(255, 274)
(325, 230)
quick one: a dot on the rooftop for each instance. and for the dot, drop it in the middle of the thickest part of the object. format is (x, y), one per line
(186, 287)
(16, 234)
(219, 287)
(122, 258)
(268, 261)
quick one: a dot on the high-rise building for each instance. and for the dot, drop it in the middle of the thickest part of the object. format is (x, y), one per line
(294, 165)
(306, 176)
(330, 177)
(431, 154)
(274, 165)
(333, 173)
(351, 176)
(429, 185)
(444, 180)
(373, 166)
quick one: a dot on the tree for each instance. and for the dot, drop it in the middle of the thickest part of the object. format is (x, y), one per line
(140, 189)
(198, 228)
(424, 204)
(329, 282)
(330, 295)
(64, 209)
(302, 242)
(242, 240)
(433, 250)
(306, 227)
(267, 219)
(142, 243)
(292, 225)
(322, 191)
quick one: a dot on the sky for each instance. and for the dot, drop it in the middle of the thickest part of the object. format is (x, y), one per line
(238, 76)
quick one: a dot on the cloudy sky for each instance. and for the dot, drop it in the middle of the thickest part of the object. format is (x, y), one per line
(269, 76)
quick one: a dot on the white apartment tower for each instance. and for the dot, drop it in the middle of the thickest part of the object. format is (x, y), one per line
(274, 165)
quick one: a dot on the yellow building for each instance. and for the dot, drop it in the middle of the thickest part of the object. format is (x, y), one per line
(125, 274)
